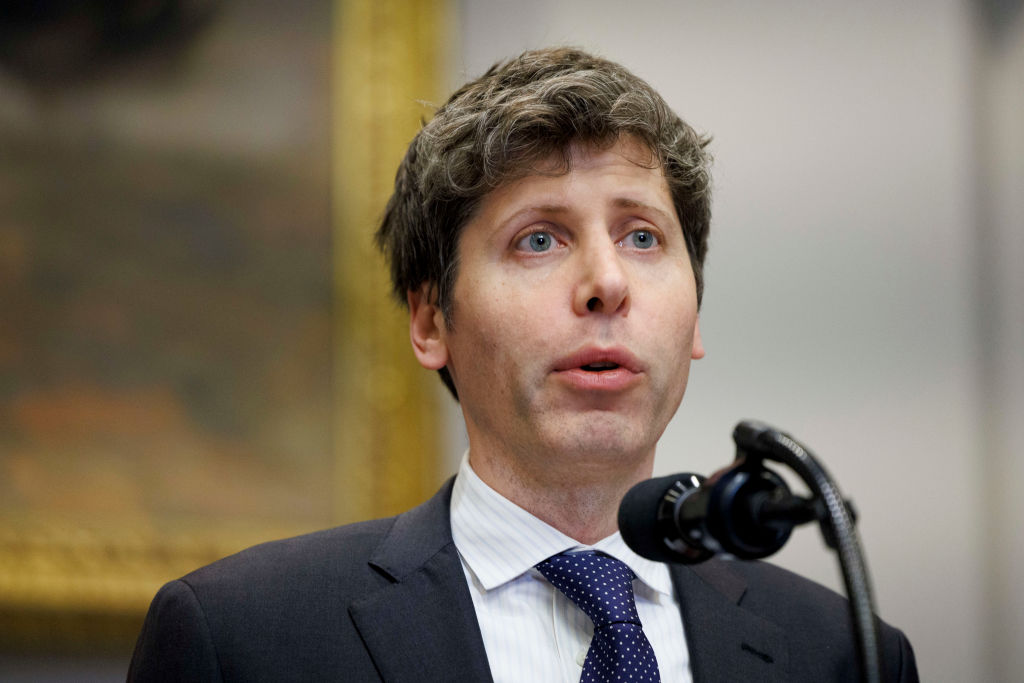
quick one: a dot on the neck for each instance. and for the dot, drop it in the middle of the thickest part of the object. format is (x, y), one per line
(580, 497)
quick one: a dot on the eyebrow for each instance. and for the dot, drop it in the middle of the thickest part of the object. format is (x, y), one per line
(618, 202)
(627, 203)
(542, 209)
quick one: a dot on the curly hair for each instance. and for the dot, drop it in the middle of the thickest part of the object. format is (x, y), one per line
(498, 127)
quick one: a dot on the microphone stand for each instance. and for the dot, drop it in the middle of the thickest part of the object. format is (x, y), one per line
(756, 442)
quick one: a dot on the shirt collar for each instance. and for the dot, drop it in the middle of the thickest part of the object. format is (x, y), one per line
(499, 541)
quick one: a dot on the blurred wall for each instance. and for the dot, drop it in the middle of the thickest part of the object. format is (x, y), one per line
(844, 295)
(999, 181)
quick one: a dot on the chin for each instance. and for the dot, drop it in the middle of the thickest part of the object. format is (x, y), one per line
(609, 440)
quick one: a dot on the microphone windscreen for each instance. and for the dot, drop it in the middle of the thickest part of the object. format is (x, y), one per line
(639, 522)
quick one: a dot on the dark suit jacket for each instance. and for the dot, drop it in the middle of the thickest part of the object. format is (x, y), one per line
(388, 600)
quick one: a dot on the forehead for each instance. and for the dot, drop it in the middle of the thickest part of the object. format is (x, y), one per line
(582, 156)
(625, 174)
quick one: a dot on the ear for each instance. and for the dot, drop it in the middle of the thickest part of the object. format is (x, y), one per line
(698, 343)
(427, 330)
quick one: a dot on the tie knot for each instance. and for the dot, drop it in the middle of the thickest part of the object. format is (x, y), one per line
(600, 585)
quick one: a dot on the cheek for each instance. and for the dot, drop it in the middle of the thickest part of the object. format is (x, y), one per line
(672, 337)
(495, 328)
(670, 316)
(519, 312)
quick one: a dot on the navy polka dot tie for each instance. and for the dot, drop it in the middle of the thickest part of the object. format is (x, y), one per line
(602, 587)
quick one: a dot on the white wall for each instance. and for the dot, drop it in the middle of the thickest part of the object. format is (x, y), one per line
(842, 277)
(1000, 183)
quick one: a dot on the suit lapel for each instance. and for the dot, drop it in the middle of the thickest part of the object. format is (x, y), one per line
(422, 626)
(725, 641)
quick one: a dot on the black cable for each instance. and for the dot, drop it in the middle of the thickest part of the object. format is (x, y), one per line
(840, 534)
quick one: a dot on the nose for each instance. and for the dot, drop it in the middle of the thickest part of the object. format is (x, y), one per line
(603, 285)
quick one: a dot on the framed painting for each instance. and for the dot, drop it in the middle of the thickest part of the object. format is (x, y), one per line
(197, 349)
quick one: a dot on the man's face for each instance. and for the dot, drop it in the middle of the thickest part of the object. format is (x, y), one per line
(575, 313)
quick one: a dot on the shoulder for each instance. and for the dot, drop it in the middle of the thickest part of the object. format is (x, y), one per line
(792, 600)
(816, 619)
(775, 590)
(338, 552)
(274, 605)
(273, 597)
(346, 558)
(284, 603)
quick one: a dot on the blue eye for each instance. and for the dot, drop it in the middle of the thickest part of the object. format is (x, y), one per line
(540, 241)
(643, 239)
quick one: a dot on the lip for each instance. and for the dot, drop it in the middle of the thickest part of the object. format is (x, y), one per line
(588, 355)
(628, 372)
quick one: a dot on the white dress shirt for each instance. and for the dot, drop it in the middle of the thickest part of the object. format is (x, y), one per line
(531, 631)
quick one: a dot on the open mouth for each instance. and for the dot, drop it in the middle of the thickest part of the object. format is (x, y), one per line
(600, 363)
(599, 367)
(609, 370)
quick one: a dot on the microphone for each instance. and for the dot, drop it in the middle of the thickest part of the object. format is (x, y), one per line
(745, 510)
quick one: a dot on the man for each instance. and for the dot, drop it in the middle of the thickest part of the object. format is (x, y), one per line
(547, 232)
